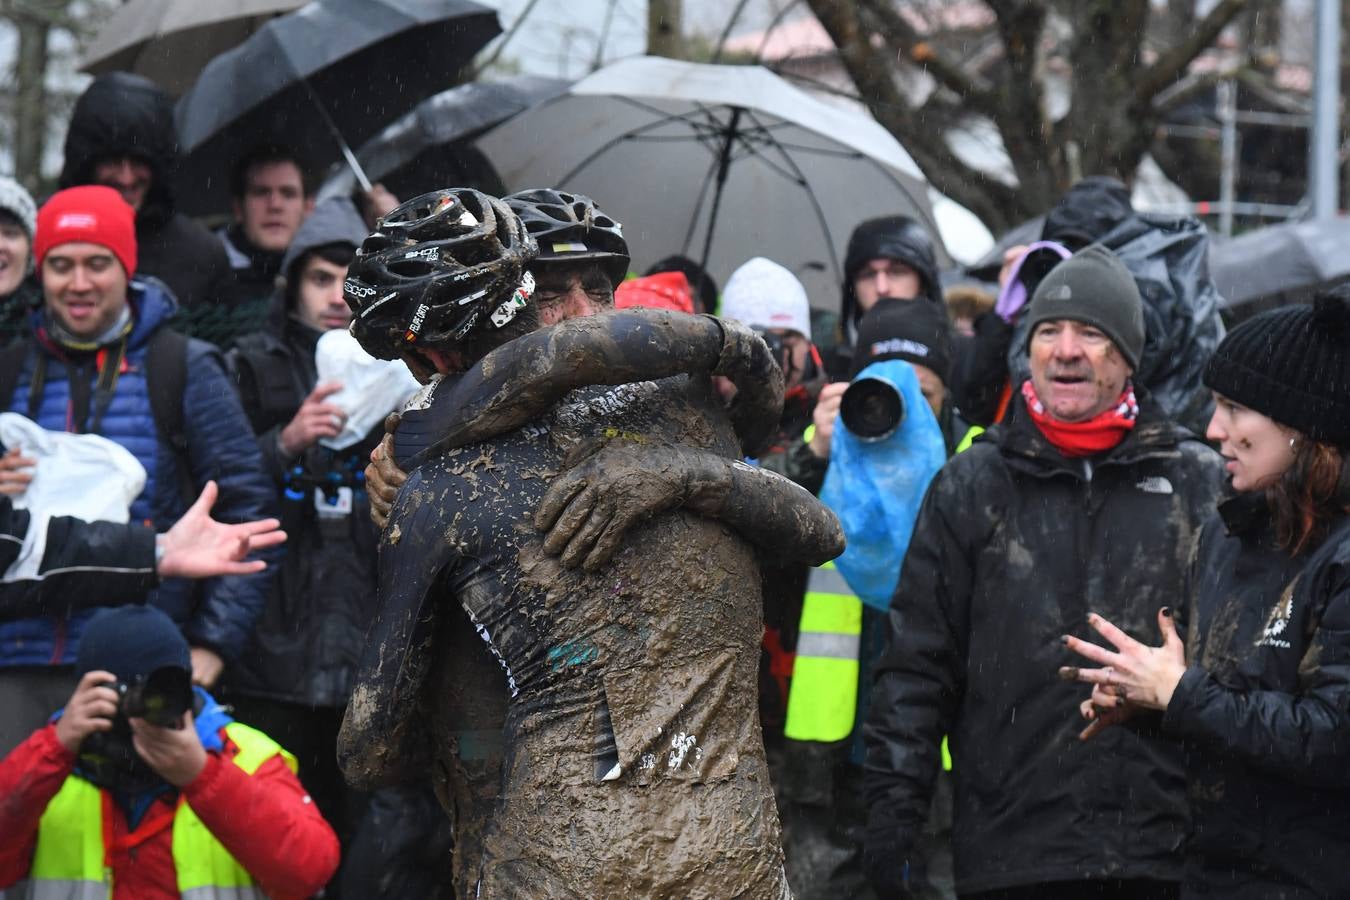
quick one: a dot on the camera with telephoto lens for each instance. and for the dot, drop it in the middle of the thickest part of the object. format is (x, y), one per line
(872, 409)
(159, 698)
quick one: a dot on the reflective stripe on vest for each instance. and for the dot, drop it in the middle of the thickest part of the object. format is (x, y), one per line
(68, 861)
(823, 699)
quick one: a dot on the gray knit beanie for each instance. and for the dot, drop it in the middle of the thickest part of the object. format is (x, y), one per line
(1093, 287)
(19, 203)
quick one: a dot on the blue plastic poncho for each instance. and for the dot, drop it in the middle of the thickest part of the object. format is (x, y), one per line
(875, 488)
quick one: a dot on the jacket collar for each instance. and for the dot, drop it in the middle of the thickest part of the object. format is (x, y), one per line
(1024, 446)
(1245, 513)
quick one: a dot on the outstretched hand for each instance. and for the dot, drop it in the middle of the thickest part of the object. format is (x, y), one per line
(198, 546)
(1135, 676)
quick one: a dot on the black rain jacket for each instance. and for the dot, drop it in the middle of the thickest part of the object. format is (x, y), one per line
(125, 115)
(1014, 546)
(1264, 711)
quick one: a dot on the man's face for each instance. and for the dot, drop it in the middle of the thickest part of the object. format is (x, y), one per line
(129, 176)
(14, 249)
(1077, 371)
(273, 206)
(570, 292)
(796, 349)
(885, 277)
(84, 288)
(318, 299)
(934, 391)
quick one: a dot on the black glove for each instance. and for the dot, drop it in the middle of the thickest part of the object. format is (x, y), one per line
(889, 870)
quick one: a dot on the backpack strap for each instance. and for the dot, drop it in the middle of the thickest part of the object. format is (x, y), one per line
(12, 358)
(166, 381)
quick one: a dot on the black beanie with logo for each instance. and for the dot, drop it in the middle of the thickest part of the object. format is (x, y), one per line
(1093, 287)
(1292, 365)
(911, 330)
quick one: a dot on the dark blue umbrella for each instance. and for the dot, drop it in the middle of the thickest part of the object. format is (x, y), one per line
(331, 73)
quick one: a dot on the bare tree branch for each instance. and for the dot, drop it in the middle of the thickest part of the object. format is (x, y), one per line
(722, 39)
(907, 42)
(1173, 63)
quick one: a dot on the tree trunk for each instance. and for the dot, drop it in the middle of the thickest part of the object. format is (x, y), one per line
(665, 36)
(30, 101)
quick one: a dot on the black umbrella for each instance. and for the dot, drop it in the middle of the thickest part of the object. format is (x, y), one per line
(1280, 264)
(431, 147)
(332, 72)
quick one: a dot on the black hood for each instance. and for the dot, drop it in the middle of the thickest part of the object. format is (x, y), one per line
(125, 115)
(892, 237)
(1087, 212)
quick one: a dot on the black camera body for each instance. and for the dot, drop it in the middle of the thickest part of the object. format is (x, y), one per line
(872, 409)
(159, 698)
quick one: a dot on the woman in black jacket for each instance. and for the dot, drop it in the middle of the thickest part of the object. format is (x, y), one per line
(1259, 690)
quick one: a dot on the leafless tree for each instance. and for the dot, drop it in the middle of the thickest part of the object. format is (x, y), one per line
(1114, 79)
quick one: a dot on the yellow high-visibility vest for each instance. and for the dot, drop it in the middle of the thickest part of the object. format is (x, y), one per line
(823, 699)
(68, 858)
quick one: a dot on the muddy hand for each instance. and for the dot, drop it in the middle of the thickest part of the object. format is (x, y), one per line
(588, 510)
(1144, 675)
(383, 476)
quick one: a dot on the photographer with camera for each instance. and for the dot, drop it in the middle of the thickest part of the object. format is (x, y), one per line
(144, 787)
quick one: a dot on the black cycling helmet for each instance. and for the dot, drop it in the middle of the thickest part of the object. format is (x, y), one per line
(570, 227)
(438, 268)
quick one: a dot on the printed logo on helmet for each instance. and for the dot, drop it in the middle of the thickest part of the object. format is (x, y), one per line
(428, 253)
(570, 247)
(415, 327)
(357, 289)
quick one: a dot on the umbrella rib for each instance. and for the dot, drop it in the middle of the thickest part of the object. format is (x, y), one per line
(810, 195)
(635, 134)
(698, 207)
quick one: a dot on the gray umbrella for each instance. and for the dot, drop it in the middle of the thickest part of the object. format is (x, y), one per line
(1280, 264)
(428, 148)
(718, 163)
(171, 41)
(332, 72)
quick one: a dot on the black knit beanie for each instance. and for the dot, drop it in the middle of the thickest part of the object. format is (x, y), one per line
(1095, 288)
(914, 331)
(131, 642)
(1292, 365)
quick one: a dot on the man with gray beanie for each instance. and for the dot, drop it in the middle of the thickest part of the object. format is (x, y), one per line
(1085, 500)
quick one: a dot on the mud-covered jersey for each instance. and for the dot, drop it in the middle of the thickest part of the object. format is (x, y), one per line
(632, 690)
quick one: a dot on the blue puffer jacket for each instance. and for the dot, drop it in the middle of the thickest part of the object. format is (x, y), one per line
(219, 613)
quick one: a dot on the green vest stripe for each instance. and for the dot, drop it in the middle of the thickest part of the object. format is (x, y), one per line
(823, 699)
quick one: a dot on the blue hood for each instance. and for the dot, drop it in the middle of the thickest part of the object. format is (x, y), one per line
(876, 487)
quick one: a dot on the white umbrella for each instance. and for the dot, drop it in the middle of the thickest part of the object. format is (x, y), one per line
(171, 41)
(719, 163)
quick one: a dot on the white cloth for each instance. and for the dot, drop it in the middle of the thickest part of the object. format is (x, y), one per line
(371, 388)
(763, 294)
(82, 475)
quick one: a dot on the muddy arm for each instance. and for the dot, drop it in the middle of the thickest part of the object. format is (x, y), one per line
(519, 381)
(589, 509)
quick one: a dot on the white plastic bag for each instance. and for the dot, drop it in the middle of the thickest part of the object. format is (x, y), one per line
(371, 388)
(82, 475)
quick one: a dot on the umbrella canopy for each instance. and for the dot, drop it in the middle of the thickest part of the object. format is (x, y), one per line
(428, 148)
(1280, 264)
(334, 66)
(718, 163)
(171, 41)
